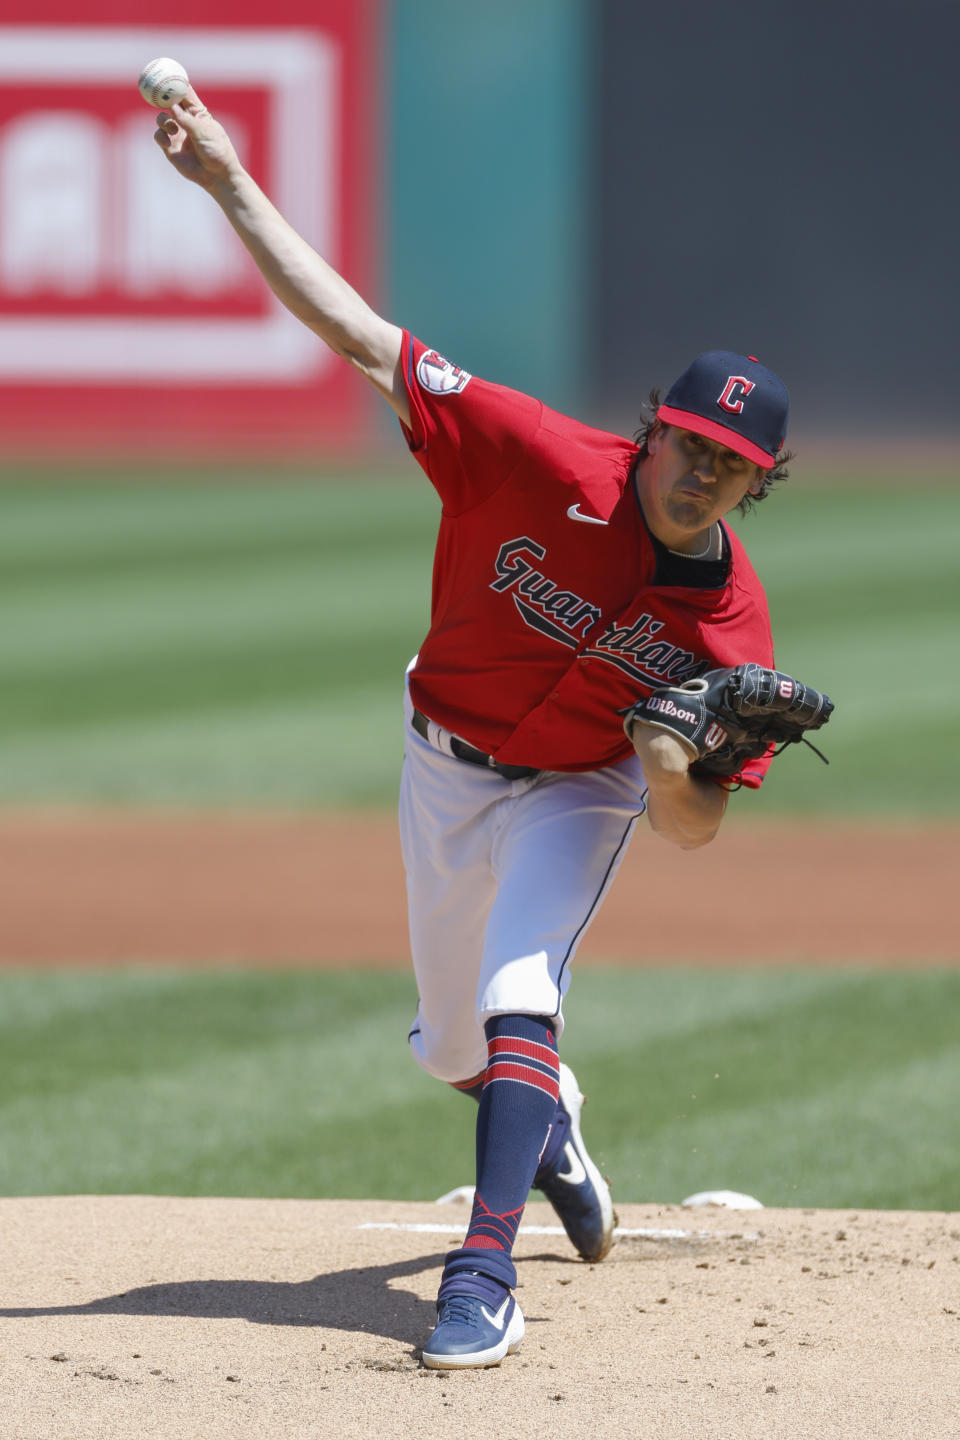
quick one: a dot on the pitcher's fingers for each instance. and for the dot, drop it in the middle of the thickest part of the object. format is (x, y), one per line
(191, 108)
(166, 132)
(171, 145)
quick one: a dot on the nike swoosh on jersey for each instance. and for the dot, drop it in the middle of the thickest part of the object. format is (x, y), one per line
(500, 1319)
(576, 1174)
(574, 514)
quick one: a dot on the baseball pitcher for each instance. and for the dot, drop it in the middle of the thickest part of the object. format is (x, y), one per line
(599, 649)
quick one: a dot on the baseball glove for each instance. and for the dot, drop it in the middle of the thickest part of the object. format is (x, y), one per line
(727, 717)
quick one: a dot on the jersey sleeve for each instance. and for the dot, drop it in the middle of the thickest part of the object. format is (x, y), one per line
(749, 778)
(752, 775)
(467, 434)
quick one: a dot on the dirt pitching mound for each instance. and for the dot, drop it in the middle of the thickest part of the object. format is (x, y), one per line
(211, 1318)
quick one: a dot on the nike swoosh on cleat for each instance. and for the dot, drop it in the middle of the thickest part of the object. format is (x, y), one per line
(576, 1174)
(500, 1319)
(574, 514)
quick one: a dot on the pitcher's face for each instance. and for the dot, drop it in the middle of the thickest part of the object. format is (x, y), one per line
(687, 482)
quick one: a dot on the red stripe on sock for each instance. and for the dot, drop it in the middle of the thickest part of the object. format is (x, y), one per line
(525, 1074)
(530, 1048)
(483, 1208)
(468, 1084)
(490, 1231)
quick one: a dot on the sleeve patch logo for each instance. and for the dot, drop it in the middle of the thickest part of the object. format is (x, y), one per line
(438, 375)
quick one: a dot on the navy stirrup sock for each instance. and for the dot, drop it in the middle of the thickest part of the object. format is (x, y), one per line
(521, 1088)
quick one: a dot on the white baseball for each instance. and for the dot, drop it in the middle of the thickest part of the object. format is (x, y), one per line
(162, 82)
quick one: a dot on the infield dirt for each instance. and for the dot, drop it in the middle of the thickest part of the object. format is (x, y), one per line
(203, 1318)
(210, 1318)
(110, 887)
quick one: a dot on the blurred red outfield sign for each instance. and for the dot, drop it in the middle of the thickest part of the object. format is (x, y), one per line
(129, 312)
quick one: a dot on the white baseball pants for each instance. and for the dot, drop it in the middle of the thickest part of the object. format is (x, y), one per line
(503, 879)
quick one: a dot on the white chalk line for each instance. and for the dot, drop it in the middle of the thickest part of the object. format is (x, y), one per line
(620, 1231)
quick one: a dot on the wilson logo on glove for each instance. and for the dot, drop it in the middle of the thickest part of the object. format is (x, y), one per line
(666, 707)
(728, 717)
(715, 736)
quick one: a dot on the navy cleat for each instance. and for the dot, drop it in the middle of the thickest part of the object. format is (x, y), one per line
(570, 1180)
(478, 1323)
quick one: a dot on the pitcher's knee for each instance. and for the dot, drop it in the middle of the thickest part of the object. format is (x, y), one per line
(447, 1058)
(531, 983)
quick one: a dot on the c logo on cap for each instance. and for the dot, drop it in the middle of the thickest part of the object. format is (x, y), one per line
(726, 398)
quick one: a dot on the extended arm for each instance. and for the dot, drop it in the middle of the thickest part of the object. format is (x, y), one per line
(681, 807)
(200, 150)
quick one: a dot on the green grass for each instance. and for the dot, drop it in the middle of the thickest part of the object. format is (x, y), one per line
(243, 642)
(802, 1088)
(209, 644)
(864, 594)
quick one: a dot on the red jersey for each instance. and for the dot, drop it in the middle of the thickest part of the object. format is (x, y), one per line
(545, 619)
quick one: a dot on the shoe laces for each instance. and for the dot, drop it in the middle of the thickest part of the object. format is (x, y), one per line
(461, 1309)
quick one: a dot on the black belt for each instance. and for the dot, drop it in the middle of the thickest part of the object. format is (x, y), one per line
(462, 751)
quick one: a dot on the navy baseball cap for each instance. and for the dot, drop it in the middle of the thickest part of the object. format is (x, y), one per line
(732, 399)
